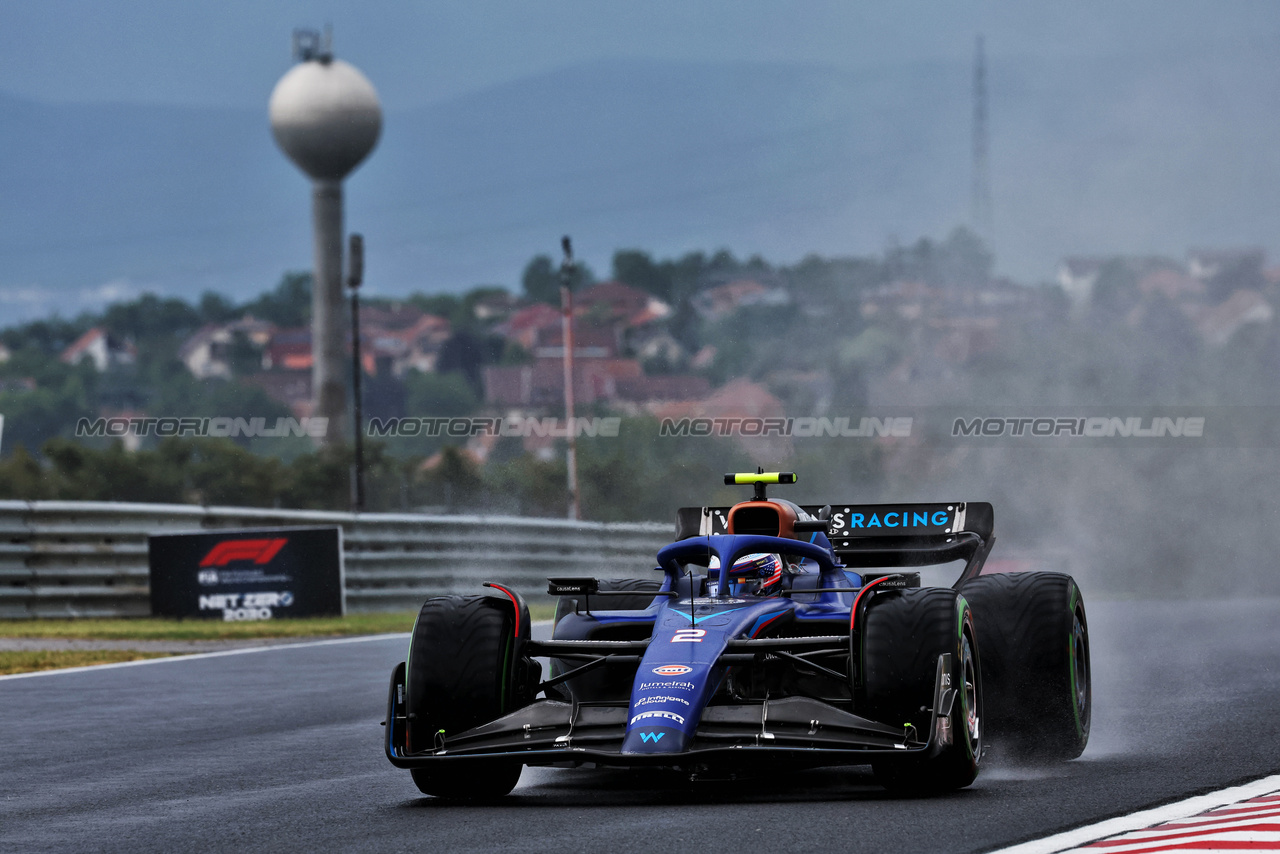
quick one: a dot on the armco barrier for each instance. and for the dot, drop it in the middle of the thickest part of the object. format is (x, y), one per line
(72, 558)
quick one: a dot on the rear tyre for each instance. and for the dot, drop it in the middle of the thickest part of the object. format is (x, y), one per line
(904, 633)
(1035, 654)
(462, 671)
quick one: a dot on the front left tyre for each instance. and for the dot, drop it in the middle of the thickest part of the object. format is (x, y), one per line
(465, 668)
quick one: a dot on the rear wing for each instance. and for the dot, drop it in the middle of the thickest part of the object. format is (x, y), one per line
(865, 535)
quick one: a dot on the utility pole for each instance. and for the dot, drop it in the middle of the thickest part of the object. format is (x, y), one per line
(981, 192)
(355, 277)
(566, 306)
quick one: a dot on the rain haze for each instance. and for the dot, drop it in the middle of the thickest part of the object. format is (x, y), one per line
(1112, 246)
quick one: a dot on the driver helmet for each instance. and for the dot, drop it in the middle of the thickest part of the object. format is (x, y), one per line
(756, 574)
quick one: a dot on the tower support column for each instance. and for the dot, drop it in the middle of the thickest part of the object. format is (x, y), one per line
(328, 320)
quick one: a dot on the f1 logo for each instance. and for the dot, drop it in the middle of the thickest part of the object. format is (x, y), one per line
(655, 737)
(258, 551)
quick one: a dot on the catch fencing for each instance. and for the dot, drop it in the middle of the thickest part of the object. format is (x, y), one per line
(73, 558)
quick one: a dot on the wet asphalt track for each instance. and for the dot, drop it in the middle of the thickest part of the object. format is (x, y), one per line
(281, 751)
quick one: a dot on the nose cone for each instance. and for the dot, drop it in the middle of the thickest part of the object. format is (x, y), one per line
(326, 117)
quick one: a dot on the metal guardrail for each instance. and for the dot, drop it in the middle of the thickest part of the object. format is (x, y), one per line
(73, 558)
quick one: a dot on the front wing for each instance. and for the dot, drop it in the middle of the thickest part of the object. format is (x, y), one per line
(792, 730)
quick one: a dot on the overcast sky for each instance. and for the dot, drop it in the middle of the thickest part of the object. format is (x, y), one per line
(231, 52)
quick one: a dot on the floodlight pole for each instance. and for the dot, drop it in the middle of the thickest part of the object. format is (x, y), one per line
(355, 277)
(566, 306)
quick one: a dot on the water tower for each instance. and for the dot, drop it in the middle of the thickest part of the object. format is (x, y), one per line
(326, 118)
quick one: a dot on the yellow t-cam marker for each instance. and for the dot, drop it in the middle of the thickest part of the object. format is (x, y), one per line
(762, 477)
(759, 479)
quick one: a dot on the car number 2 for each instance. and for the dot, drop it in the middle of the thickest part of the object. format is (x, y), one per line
(689, 635)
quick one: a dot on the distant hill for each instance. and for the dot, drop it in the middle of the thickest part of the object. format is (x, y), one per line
(781, 160)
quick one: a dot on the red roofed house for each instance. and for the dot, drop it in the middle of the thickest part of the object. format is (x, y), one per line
(102, 348)
(524, 326)
(719, 301)
(208, 352)
(422, 342)
(289, 350)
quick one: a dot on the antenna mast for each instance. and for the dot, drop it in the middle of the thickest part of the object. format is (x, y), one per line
(980, 214)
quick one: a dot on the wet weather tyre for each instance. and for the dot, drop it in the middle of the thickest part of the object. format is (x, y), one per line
(904, 634)
(460, 674)
(1035, 655)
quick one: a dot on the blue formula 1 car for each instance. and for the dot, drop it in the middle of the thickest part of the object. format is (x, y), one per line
(779, 636)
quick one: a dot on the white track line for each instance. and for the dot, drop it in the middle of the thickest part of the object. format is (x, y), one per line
(192, 657)
(1145, 818)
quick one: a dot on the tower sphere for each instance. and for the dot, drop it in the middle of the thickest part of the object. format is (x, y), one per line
(325, 116)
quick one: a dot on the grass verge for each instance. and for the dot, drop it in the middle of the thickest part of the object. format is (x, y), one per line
(152, 628)
(44, 659)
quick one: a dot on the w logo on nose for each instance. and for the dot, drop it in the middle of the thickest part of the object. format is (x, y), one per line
(655, 737)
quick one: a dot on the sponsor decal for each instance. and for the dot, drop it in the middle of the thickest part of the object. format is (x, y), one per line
(705, 601)
(659, 698)
(905, 519)
(258, 551)
(655, 737)
(246, 606)
(667, 686)
(688, 636)
(257, 574)
(657, 713)
(672, 670)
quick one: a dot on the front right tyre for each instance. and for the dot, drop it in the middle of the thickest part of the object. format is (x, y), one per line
(904, 635)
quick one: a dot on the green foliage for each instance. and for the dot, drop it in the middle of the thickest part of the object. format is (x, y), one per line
(85, 474)
(288, 305)
(448, 306)
(454, 483)
(49, 336)
(460, 310)
(150, 316)
(467, 353)
(637, 269)
(874, 348)
(216, 308)
(541, 279)
(439, 395)
(23, 478)
(31, 417)
(960, 261)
